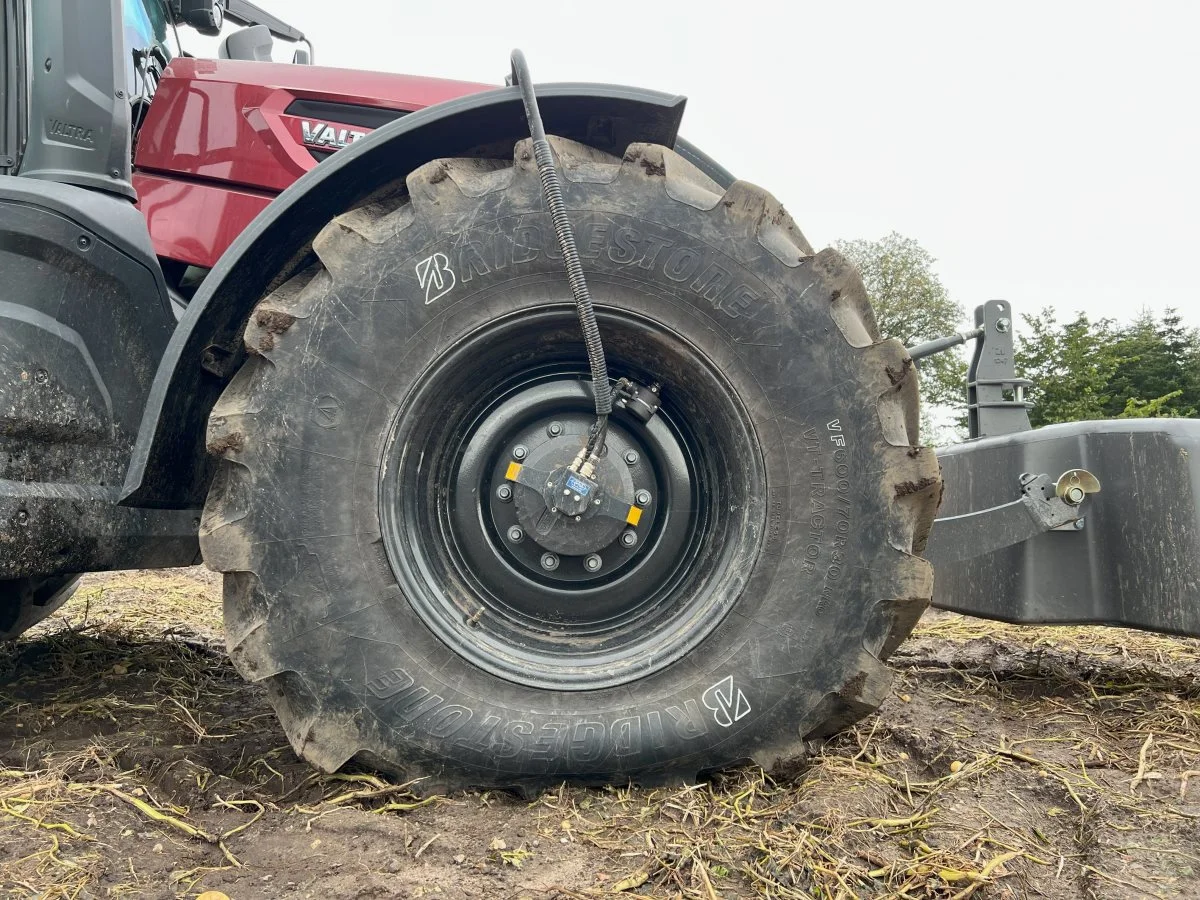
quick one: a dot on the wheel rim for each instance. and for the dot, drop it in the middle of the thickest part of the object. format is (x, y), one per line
(516, 392)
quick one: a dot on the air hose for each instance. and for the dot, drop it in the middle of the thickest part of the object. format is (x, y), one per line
(552, 191)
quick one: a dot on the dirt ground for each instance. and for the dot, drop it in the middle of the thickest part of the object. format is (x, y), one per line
(1007, 763)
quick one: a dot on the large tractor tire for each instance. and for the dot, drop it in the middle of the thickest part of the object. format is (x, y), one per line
(411, 603)
(26, 601)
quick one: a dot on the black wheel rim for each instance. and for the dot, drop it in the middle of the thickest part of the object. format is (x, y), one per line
(519, 387)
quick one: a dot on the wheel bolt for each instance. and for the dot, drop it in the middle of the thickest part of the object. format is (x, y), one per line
(515, 534)
(504, 492)
(593, 563)
(554, 429)
(631, 457)
(629, 538)
(520, 452)
(549, 562)
(642, 498)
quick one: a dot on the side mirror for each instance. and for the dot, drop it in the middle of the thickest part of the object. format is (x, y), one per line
(206, 16)
(253, 44)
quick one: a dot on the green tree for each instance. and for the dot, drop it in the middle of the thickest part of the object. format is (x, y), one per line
(1158, 408)
(1156, 376)
(1070, 366)
(1103, 370)
(913, 305)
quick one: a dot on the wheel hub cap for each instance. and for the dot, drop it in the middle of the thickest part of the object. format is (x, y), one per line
(591, 521)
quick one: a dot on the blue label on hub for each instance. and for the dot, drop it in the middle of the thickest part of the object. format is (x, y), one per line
(579, 486)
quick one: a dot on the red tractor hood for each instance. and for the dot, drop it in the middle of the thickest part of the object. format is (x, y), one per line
(223, 137)
(263, 125)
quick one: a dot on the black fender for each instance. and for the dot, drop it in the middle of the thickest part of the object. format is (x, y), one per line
(169, 467)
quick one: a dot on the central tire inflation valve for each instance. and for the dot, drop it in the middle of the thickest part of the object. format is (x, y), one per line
(570, 494)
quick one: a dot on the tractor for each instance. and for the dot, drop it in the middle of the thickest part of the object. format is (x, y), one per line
(525, 458)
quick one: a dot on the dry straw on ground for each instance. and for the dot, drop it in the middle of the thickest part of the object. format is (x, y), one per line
(1009, 762)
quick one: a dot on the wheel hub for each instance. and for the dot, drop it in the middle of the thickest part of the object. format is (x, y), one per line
(589, 523)
(565, 512)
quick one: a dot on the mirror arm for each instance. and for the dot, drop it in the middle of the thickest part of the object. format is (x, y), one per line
(249, 14)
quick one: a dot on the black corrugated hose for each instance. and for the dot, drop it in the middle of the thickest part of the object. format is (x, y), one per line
(552, 190)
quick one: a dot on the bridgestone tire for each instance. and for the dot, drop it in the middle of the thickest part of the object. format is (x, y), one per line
(810, 575)
(26, 601)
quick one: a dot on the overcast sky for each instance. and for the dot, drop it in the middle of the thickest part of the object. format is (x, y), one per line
(1045, 153)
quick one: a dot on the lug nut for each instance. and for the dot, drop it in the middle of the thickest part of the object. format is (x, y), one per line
(593, 563)
(520, 452)
(642, 498)
(549, 562)
(504, 492)
(628, 538)
(554, 429)
(631, 457)
(515, 534)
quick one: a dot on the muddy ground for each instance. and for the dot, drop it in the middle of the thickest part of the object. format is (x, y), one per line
(1007, 763)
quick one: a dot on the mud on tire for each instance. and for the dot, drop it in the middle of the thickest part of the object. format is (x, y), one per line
(351, 512)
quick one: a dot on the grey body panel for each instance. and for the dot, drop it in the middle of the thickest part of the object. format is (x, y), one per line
(78, 111)
(1136, 561)
(83, 325)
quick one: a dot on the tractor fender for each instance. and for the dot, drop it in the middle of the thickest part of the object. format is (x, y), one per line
(169, 467)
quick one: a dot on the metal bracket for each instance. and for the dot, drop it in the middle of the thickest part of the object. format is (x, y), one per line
(1044, 505)
(995, 395)
(996, 401)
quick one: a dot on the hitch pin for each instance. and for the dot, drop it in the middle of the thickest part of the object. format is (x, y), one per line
(1074, 485)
